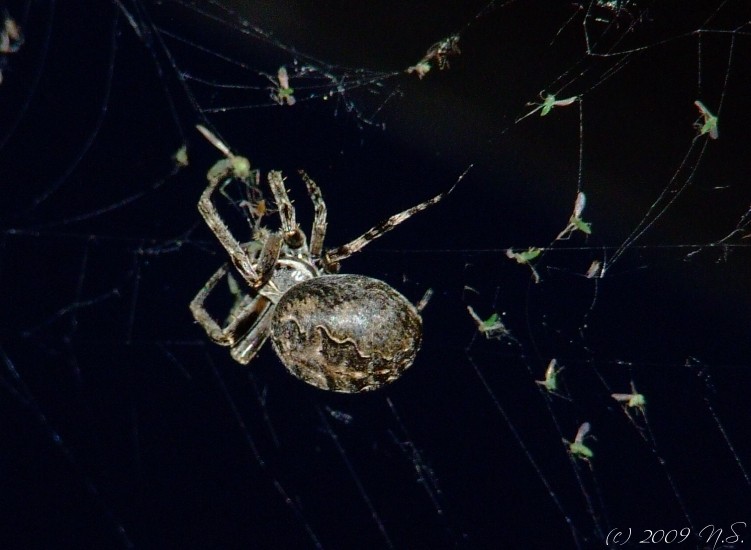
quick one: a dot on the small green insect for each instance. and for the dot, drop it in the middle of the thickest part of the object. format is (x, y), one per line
(181, 157)
(234, 165)
(549, 101)
(550, 383)
(633, 400)
(575, 222)
(707, 123)
(492, 327)
(281, 93)
(581, 225)
(577, 448)
(525, 257)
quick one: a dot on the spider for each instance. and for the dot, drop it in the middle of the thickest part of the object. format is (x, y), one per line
(339, 332)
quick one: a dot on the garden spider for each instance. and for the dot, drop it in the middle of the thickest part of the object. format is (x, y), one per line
(345, 333)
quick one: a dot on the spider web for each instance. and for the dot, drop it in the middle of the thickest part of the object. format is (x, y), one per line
(125, 427)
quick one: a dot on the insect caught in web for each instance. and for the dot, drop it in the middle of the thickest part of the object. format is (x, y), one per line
(438, 53)
(550, 382)
(492, 327)
(345, 333)
(575, 222)
(707, 123)
(281, 92)
(577, 448)
(633, 401)
(549, 101)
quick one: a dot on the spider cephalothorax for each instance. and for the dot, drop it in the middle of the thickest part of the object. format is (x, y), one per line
(345, 333)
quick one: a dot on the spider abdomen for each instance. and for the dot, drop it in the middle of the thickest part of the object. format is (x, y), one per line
(345, 333)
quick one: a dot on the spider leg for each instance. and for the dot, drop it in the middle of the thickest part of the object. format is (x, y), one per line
(335, 255)
(286, 210)
(318, 232)
(202, 317)
(290, 230)
(272, 247)
(239, 258)
(232, 167)
(226, 335)
(254, 313)
(248, 347)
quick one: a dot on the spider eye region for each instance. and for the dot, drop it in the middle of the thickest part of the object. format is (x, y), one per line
(346, 333)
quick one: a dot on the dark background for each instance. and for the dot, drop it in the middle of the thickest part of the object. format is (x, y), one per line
(122, 425)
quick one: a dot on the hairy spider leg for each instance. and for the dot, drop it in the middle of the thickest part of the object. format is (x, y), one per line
(223, 336)
(318, 232)
(234, 167)
(239, 258)
(343, 252)
(246, 349)
(212, 328)
(293, 236)
(258, 317)
(286, 211)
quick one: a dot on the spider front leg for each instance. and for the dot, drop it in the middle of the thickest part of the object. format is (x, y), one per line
(318, 233)
(232, 166)
(336, 255)
(290, 230)
(239, 258)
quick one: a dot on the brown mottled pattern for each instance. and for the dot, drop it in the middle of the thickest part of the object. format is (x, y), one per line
(346, 333)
